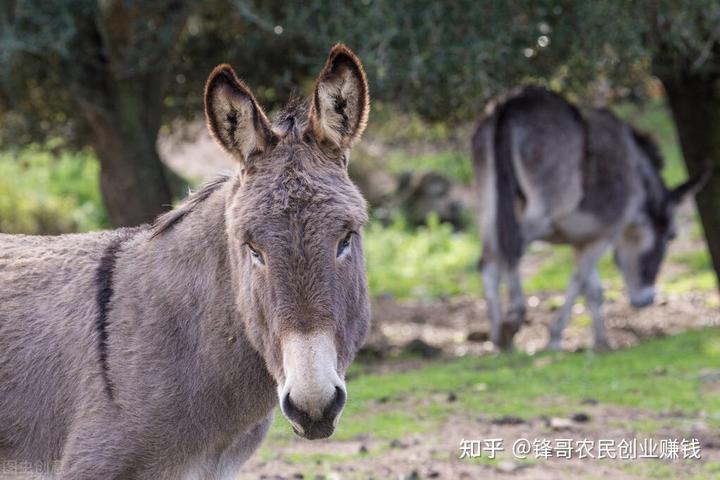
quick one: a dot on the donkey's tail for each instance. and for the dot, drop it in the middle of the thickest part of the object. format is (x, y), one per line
(509, 233)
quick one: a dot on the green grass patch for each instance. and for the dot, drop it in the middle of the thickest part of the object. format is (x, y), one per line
(431, 261)
(452, 163)
(697, 274)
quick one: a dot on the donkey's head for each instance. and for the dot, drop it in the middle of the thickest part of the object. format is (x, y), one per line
(642, 246)
(294, 224)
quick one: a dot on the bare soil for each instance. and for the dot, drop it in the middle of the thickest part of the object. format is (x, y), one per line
(459, 326)
(437, 454)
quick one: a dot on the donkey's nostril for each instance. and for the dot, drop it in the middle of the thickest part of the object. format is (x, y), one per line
(336, 406)
(309, 427)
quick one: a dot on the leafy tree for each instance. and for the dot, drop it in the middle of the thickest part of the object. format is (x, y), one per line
(110, 73)
(685, 48)
(101, 67)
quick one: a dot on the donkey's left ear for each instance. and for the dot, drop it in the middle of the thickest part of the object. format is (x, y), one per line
(690, 186)
(340, 104)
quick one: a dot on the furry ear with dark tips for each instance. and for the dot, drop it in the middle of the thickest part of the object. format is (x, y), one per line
(234, 118)
(340, 104)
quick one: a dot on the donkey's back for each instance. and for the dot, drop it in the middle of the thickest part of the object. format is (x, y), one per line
(48, 291)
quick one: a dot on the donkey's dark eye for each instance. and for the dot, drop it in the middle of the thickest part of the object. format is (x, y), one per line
(344, 245)
(256, 255)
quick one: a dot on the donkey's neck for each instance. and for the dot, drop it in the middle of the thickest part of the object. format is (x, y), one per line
(175, 314)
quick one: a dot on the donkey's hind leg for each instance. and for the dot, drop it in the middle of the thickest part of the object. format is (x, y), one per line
(491, 277)
(585, 260)
(594, 298)
(517, 311)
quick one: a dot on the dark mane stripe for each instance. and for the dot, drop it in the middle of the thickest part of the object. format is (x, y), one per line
(104, 277)
(166, 221)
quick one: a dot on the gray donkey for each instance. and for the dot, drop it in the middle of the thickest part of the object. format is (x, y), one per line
(546, 171)
(160, 352)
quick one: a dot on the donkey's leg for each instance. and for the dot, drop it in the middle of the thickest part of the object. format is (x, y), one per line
(594, 298)
(491, 277)
(240, 450)
(536, 219)
(585, 261)
(517, 298)
(95, 456)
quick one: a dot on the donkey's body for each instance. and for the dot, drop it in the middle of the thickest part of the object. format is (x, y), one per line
(160, 352)
(550, 172)
(181, 392)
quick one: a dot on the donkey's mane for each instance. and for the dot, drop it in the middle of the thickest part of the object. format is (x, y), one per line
(293, 118)
(167, 220)
(650, 147)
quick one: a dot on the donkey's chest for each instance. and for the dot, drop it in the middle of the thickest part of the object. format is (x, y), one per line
(224, 459)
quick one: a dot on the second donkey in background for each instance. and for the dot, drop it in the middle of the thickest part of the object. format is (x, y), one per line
(548, 172)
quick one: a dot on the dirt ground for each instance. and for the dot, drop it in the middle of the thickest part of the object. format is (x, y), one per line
(437, 454)
(459, 326)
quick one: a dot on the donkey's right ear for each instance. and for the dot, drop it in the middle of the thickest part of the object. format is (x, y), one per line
(234, 117)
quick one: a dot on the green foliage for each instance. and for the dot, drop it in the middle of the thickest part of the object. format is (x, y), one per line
(654, 117)
(44, 194)
(430, 261)
(451, 163)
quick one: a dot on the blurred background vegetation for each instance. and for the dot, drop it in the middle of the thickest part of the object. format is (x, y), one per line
(88, 87)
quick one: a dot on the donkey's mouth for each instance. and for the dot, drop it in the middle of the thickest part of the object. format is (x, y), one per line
(309, 427)
(316, 431)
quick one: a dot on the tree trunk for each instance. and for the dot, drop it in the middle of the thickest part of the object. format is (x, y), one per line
(132, 178)
(126, 50)
(124, 130)
(695, 104)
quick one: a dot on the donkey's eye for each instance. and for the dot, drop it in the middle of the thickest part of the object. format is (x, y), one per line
(256, 256)
(344, 245)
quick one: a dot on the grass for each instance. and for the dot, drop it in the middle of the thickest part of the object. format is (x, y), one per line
(451, 163)
(659, 376)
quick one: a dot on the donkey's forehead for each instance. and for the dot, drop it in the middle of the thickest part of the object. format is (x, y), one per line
(300, 191)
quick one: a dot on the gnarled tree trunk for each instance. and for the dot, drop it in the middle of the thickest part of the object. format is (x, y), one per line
(126, 52)
(695, 104)
(132, 177)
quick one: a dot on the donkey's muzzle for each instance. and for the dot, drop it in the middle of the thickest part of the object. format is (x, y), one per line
(313, 428)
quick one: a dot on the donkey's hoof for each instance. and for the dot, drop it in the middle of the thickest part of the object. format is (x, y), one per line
(601, 346)
(507, 333)
(517, 316)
